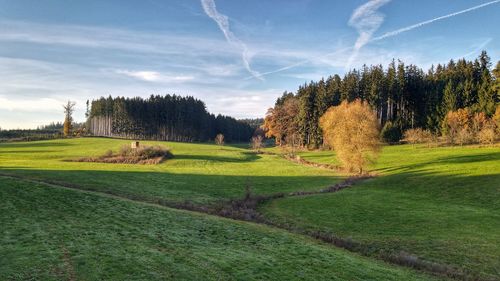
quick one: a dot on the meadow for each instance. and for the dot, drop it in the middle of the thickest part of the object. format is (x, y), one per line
(199, 173)
(90, 229)
(440, 204)
(85, 220)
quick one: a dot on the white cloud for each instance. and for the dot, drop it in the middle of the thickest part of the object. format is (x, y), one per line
(420, 24)
(223, 23)
(40, 104)
(141, 75)
(366, 19)
(154, 76)
(362, 41)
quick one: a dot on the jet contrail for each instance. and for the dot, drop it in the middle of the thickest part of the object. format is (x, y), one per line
(420, 24)
(223, 23)
(477, 49)
(385, 35)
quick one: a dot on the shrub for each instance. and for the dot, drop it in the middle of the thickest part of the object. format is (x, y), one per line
(454, 123)
(391, 133)
(477, 123)
(463, 127)
(487, 135)
(127, 155)
(257, 143)
(219, 139)
(352, 130)
(418, 135)
(464, 136)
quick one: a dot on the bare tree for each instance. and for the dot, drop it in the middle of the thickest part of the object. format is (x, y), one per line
(257, 143)
(219, 139)
(69, 108)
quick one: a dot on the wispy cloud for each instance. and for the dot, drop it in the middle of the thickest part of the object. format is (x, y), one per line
(420, 24)
(141, 75)
(383, 36)
(478, 48)
(154, 76)
(223, 23)
(366, 19)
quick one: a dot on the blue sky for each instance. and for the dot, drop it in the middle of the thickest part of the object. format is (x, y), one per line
(235, 55)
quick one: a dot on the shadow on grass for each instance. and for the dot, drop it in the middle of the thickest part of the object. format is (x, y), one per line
(173, 187)
(445, 224)
(197, 191)
(474, 158)
(246, 157)
(29, 151)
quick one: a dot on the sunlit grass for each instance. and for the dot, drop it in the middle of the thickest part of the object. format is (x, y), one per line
(442, 204)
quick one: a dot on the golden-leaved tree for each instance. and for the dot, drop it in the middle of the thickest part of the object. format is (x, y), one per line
(69, 108)
(353, 132)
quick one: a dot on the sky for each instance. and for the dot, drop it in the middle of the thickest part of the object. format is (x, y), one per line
(237, 56)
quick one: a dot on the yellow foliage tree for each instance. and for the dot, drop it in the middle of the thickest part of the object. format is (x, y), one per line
(69, 108)
(352, 130)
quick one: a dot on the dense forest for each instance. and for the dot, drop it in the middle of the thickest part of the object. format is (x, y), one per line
(170, 117)
(403, 96)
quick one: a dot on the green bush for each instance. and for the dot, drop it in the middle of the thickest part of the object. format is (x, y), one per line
(391, 133)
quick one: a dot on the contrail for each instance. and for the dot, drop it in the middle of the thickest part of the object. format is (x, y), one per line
(223, 23)
(386, 35)
(420, 24)
(366, 19)
(477, 49)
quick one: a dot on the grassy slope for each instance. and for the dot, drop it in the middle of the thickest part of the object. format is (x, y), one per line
(442, 204)
(49, 233)
(200, 173)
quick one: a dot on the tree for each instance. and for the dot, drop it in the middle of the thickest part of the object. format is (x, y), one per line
(449, 97)
(456, 125)
(401, 94)
(169, 117)
(496, 85)
(496, 119)
(282, 121)
(391, 133)
(219, 139)
(69, 108)
(486, 95)
(352, 130)
(257, 143)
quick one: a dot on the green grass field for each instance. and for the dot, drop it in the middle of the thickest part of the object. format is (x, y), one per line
(441, 204)
(54, 233)
(200, 173)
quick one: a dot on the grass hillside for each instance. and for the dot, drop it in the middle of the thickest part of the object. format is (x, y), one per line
(201, 173)
(441, 204)
(51, 233)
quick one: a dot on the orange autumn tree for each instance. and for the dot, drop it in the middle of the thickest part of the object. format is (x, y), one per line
(281, 122)
(353, 132)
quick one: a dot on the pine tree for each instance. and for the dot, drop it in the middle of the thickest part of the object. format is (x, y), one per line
(449, 98)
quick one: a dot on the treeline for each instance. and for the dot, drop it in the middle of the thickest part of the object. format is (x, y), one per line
(30, 134)
(403, 97)
(53, 130)
(169, 117)
(56, 126)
